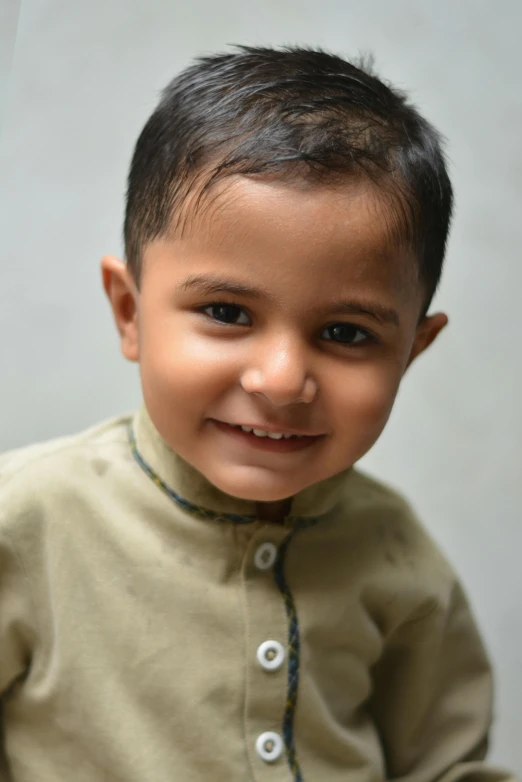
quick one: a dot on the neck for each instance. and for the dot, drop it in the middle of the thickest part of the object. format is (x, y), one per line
(274, 511)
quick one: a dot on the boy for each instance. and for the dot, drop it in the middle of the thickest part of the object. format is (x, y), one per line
(208, 590)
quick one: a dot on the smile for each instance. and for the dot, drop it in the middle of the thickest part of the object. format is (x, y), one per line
(262, 439)
(264, 433)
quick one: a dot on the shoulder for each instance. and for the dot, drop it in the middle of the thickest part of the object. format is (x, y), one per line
(390, 538)
(380, 506)
(29, 460)
(36, 475)
(387, 511)
(362, 491)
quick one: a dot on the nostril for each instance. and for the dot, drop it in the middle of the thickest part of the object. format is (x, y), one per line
(281, 383)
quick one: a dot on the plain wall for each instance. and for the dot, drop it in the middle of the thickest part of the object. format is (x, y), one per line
(8, 22)
(85, 76)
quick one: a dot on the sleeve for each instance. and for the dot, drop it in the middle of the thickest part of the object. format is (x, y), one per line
(16, 633)
(432, 698)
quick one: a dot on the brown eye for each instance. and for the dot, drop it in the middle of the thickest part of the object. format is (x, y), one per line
(227, 313)
(345, 333)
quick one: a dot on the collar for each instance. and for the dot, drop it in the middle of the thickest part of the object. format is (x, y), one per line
(190, 489)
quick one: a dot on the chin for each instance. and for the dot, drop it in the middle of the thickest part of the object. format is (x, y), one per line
(254, 490)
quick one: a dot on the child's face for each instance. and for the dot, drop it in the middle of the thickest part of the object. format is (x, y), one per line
(281, 308)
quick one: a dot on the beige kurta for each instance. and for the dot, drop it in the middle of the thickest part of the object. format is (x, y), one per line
(146, 635)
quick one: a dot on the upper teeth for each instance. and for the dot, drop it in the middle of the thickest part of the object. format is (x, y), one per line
(263, 433)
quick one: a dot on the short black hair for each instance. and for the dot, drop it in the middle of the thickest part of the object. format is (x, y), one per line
(287, 112)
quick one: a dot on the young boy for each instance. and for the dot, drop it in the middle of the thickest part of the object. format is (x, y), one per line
(208, 590)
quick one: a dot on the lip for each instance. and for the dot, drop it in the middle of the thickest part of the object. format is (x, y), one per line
(271, 428)
(267, 443)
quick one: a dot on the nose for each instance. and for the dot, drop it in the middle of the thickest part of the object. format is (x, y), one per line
(279, 372)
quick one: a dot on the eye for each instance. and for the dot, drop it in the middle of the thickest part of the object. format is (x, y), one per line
(227, 313)
(345, 333)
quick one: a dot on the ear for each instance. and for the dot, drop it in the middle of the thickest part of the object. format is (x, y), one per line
(427, 331)
(123, 296)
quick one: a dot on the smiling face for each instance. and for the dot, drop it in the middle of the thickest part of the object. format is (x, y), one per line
(280, 309)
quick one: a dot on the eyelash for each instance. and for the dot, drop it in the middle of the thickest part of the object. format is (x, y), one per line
(368, 336)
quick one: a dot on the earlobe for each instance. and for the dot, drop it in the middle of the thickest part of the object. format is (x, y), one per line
(427, 332)
(122, 293)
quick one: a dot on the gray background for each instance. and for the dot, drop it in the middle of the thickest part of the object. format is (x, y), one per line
(8, 22)
(84, 77)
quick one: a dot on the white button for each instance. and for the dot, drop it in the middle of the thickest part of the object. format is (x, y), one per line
(270, 655)
(265, 556)
(269, 746)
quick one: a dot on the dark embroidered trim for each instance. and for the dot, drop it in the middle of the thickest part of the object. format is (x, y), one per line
(197, 510)
(293, 651)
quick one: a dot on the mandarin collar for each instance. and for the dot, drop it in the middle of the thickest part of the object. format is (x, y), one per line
(160, 462)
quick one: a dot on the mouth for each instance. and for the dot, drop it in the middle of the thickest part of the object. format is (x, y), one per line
(269, 439)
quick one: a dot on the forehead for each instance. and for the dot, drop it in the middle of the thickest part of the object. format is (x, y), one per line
(299, 236)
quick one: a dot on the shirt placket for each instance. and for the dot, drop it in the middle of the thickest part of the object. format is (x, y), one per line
(272, 657)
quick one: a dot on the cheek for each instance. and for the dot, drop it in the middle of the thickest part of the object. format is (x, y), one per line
(365, 397)
(183, 364)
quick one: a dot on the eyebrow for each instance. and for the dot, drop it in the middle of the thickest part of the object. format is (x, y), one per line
(206, 284)
(375, 310)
